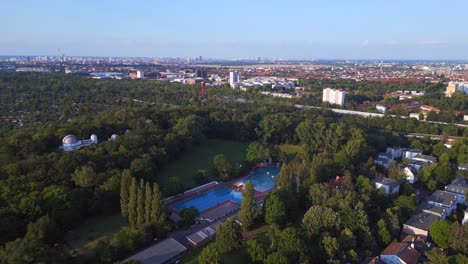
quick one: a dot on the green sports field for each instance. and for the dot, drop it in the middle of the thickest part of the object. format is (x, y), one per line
(201, 157)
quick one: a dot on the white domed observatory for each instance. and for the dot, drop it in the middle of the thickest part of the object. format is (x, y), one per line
(71, 143)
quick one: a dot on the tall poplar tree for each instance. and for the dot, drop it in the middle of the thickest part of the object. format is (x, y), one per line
(158, 213)
(141, 203)
(148, 201)
(132, 202)
(125, 192)
(247, 210)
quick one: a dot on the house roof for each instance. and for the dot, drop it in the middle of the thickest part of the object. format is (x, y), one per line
(442, 197)
(421, 220)
(463, 166)
(459, 185)
(430, 208)
(405, 252)
(160, 253)
(425, 157)
(387, 181)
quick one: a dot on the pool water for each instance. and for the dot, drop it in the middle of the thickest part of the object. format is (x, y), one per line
(210, 199)
(263, 178)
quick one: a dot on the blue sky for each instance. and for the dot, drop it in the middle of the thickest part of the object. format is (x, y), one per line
(348, 29)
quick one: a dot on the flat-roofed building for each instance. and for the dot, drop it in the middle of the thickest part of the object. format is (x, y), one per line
(334, 96)
(444, 199)
(204, 235)
(459, 187)
(165, 251)
(434, 209)
(425, 158)
(419, 224)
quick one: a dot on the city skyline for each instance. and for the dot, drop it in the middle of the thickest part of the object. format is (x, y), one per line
(420, 30)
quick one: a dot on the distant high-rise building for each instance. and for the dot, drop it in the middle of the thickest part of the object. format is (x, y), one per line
(140, 74)
(456, 87)
(234, 78)
(334, 96)
(201, 73)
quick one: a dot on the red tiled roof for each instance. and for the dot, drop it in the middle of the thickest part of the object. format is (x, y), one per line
(403, 251)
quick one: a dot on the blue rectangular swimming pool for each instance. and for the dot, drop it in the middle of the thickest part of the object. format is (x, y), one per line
(210, 199)
(263, 178)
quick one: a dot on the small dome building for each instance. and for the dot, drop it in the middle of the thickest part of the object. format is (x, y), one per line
(71, 143)
(69, 140)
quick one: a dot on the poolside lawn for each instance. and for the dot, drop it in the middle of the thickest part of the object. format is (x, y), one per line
(86, 236)
(201, 157)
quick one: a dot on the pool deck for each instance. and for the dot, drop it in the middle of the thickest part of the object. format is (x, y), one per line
(215, 212)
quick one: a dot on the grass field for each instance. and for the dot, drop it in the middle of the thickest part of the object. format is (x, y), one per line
(201, 157)
(86, 237)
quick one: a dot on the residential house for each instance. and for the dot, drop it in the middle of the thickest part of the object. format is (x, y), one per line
(459, 187)
(418, 165)
(424, 158)
(419, 224)
(383, 159)
(390, 186)
(409, 153)
(337, 183)
(444, 199)
(396, 152)
(438, 211)
(418, 243)
(400, 253)
(410, 174)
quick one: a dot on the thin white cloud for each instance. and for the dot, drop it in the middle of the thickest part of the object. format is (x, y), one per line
(365, 43)
(433, 42)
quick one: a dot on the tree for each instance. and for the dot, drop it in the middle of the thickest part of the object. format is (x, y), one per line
(248, 208)
(85, 177)
(228, 236)
(440, 233)
(276, 258)
(148, 202)
(222, 166)
(125, 192)
(256, 152)
(459, 237)
(174, 186)
(158, 212)
(132, 203)
(189, 214)
(141, 203)
(319, 219)
(290, 243)
(275, 209)
(436, 257)
(256, 251)
(330, 246)
(382, 233)
(209, 255)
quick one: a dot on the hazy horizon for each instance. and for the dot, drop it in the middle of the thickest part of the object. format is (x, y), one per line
(352, 30)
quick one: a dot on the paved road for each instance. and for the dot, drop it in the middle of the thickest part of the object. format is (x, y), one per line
(366, 114)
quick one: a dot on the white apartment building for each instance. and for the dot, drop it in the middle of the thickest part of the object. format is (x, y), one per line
(234, 78)
(456, 87)
(334, 96)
